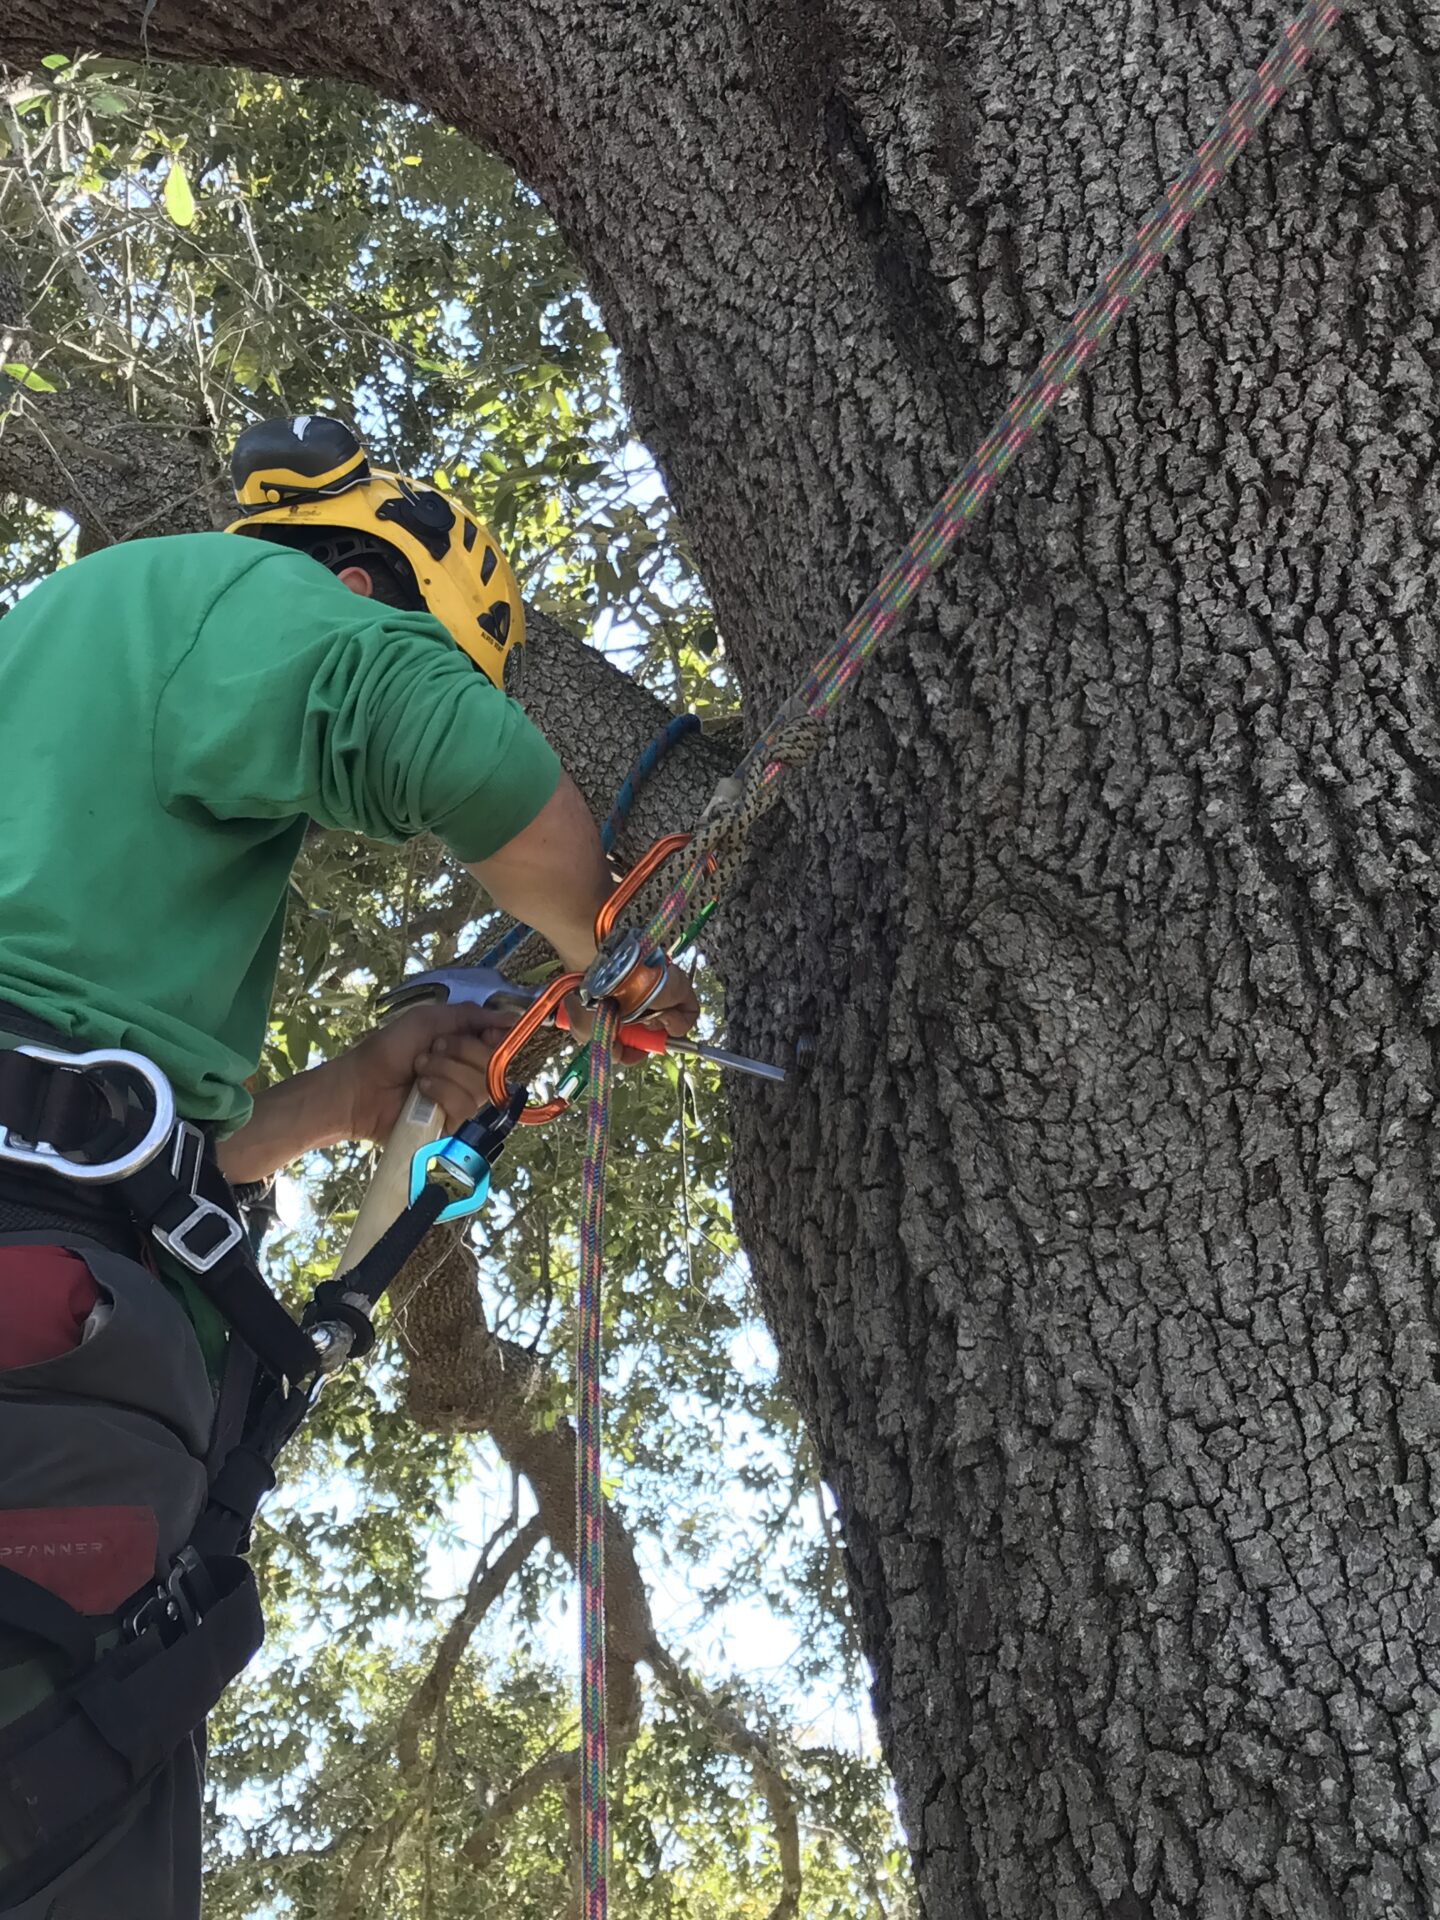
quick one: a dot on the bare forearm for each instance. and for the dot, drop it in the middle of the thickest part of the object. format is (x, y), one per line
(554, 875)
(359, 1095)
(311, 1110)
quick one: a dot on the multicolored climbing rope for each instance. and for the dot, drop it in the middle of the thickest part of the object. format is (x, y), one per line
(1036, 401)
(783, 742)
(760, 772)
(589, 1494)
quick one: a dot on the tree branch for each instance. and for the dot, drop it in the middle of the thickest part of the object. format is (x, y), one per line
(732, 1733)
(376, 1844)
(83, 452)
(464, 1379)
(462, 1376)
(487, 1584)
(557, 1769)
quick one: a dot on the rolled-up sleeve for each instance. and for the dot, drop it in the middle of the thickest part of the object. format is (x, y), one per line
(298, 697)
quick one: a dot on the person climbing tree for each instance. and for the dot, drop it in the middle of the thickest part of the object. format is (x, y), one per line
(175, 713)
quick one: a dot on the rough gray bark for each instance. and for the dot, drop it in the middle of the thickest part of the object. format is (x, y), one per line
(82, 451)
(1099, 1239)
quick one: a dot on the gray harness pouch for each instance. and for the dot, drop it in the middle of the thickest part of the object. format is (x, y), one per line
(102, 1479)
(121, 1421)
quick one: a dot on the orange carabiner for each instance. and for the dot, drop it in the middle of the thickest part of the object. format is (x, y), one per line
(652, 858)
(530, 1022)
(544, 1005)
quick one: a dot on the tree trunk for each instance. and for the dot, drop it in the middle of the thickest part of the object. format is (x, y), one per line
(1097, 1238)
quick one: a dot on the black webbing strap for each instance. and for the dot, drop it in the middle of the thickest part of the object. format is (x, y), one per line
(370, 1277)
(35, 1610)
(70, 1766)
(242, 1483)
(189, 1220)
(352, 1297)
(68, 1110)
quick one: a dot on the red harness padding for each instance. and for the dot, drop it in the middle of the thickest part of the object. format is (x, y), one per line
(46, 1295)
(93, 1557)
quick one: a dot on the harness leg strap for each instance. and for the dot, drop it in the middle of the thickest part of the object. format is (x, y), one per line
(70, 1766)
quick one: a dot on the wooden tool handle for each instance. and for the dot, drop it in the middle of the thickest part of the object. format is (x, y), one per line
(389, 1191)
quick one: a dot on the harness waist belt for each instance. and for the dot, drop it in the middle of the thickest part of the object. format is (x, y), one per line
(104, 1122)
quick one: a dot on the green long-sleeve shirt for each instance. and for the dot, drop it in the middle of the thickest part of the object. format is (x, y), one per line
(172, 714)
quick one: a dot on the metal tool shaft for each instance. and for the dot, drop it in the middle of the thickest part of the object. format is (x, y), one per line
(722, 1057)
(483, 986)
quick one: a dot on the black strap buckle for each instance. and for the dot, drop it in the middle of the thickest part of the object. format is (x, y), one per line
(175, 1604)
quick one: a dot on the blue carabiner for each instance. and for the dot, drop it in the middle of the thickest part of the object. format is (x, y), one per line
(468, 1162)
(470, 1153)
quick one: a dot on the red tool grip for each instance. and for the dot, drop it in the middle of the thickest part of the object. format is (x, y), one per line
(642, 1039)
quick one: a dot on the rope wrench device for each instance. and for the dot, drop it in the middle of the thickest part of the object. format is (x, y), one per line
(460, 1160)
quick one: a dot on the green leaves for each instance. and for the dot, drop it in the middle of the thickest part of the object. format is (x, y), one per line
(28, 377)
(178, 197)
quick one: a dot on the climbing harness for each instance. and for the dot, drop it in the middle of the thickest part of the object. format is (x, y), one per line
(716, 846)
(135, 1684)
(107, 1120)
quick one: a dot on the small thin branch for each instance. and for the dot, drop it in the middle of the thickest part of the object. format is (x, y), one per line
(547, 1282)
(487, 1584)
(836, 1556)
(68, 256)
(378, 1843)
(311, 1562)
(557, 1769)
(66, 252)
(867, 1871)
(737, 1738)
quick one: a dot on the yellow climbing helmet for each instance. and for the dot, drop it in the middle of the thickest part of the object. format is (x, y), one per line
(309, 474)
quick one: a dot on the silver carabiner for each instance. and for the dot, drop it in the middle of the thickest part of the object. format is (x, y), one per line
(39, 1153)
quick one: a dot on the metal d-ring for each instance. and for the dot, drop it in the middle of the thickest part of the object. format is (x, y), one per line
(39, 1153)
